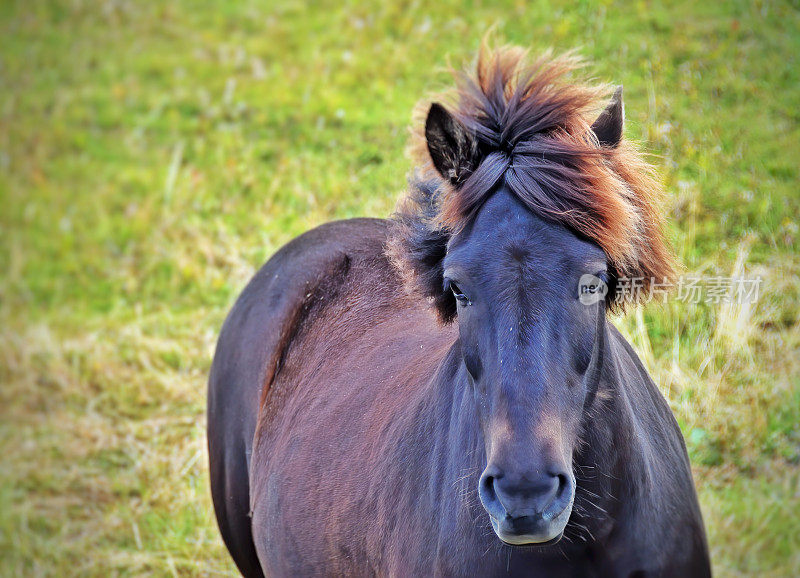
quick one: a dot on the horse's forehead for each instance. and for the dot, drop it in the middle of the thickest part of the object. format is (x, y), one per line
(509, 243)
(505, 213)
(505, 226)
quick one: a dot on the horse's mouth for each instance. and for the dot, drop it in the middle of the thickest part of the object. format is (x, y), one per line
(529, 530)
(533, 545)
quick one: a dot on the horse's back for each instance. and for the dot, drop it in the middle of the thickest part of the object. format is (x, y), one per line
(251, 346)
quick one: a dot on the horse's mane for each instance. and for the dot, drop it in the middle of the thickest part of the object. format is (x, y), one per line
(532, 120)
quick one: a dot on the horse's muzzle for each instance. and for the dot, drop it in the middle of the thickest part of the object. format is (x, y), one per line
(524, 511)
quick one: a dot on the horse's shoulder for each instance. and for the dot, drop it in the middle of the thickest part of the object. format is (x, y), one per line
(305, 257)
(285, 290)
(251, 344)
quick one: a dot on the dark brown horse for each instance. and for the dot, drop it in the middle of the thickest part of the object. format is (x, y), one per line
(441, 393)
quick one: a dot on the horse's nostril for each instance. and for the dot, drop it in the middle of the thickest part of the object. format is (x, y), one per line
(487, 491)
(519, 496)
(513, 495)
(563, 485)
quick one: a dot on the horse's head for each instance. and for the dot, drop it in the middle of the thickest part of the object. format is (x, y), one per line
(537, 214)
(527, 341)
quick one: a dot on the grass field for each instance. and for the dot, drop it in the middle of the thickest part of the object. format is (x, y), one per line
(153, 155)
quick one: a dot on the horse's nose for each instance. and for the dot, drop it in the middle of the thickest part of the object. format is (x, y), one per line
(505, 495)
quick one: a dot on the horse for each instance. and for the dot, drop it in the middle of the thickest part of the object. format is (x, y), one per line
(442, 392)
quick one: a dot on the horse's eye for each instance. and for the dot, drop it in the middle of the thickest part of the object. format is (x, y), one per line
(458, 294)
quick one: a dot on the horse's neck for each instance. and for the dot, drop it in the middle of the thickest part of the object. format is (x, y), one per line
(614, 458)
(458, 440)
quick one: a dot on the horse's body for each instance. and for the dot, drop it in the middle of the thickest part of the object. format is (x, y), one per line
(350, 422)
(368, 450)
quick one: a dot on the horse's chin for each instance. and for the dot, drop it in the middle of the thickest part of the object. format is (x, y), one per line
(523, 542)
(530, 533)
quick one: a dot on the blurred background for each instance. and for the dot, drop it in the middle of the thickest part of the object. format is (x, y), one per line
(153, 155)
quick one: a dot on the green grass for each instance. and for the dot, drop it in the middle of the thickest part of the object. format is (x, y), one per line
(153, 155)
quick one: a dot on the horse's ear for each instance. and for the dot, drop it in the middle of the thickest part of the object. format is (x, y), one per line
(453, 150)
(608, 126)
